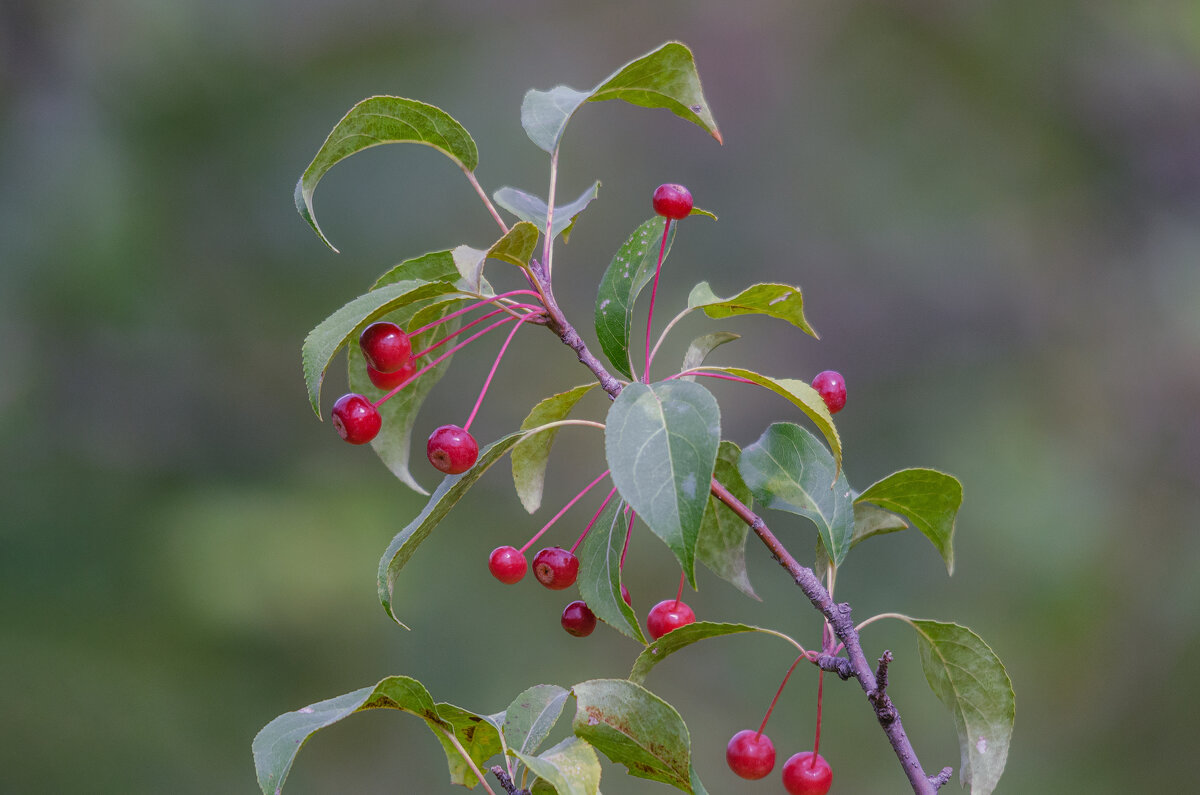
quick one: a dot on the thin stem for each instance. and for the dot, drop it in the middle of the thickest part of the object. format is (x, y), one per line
(565, 508)
(771, 708)
(548, 246)
(588, 529)
(722, 376)
(662, 250)
(454, 334)
(658, 343)
(628, 535)
(817, 741)
(470, 762)
(473, 306)
(491, 373)
(679, 593)
(486, 201)
(872, 620)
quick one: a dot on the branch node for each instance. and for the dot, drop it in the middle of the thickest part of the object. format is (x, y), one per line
(881, 673)
(506, 781)
(838, 665)
(942, 778)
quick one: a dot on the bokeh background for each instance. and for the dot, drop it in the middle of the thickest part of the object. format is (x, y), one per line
(994, 212)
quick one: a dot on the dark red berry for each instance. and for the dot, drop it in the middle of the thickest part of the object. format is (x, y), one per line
(802, 775)
(625, 595)
(750, 754)
(356, 420)
(391, 380)
(507, 565)
(555, 568)
(668, 615)
(452, 450)
(578, 619)
(832, 388)
(385, 346)
(673, 201)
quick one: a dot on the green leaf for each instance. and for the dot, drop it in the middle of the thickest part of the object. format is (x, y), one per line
(384, 120)
(679, 638)
(789, 470)
(701, 347)
(532, 209)
(530, 717)
(276, 746)
(801, 395)
(530, 455)
(635, 728)
(665, 78)
(436, 266)
(968, 677)
(571, 767)
(722, 543)
(477, 736)
(447, 494)
(629, 271)
(928, 498)
(600, 571)
(323, 342)
(661, 442)
(517, 245)
(780, 301)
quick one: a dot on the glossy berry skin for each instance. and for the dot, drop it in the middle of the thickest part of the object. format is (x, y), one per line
(802, 776)
(625, 595)
(452, 450)
(385, 346)
(578, 619)
(666, 616)
(750, 754)
(355, 419)
(672, 201)
(555, 568)
(832, 388)
(507, 565)
(391, 380)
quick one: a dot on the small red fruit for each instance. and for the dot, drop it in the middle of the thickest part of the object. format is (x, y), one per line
(391, 380)
(625, 595)
(832, 388)
(673, 201)
(578, 619)
(668, 615)
(356, 420)
(750, 754)
(452, 450)
(802, 775)
(555, 568)
(507, 565)
(385, 346)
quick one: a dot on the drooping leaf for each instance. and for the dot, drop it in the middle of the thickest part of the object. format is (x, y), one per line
(477, 736)
(869, 520)
(680, 638)
(722, 543)
(600, 571)
(530, 717)
(664, 78)
(436, 266)
(635, 728)
(701, 347)
(787, 469)
(530, 456)
(571, 767)
(276, 746)
(780, 301)
(661, 443)
(324, 341)
(384, 120)
(928, 498)
(533, 209)
(627, 274)
(968, 677)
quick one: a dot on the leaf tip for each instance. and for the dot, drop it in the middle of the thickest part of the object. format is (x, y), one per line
(717, 134)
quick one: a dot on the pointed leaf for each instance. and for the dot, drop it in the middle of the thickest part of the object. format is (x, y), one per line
(774, 300)
(532, 208)
(968, 677)
(928, 498)
(661, 442)
(276, 746)
(530, 456)
(680, 638)
(436, 266)
(517, 245)
(530, 717)
(789, 470)
(722, 543)
(635, 728)
(544, 114)
(477, 736)
(600, 571)
(629, 271)
(701, 347)
(384, 120)
(571, 767)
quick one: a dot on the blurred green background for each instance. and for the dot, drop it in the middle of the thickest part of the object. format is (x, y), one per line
(994, 212)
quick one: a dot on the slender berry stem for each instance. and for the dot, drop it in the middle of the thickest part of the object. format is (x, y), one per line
(662, 250)
(679, 593)
(588, 529)
(722, 376)
(564, 509)
(663, 334)
(820, 693)
(778, 692)
(491, 373)
(473, 306)
(628, 535)
(454, 334)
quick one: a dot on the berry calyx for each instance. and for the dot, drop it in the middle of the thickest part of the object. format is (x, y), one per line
(355, 418)
(578, 619)
(805, 775)
(750, 754)
(555, 568)
(391, 380)
(673, 201)
(507, 565)
(385, 346)
(452, 450)
(832, 388)
(667, 615)
(625, 595)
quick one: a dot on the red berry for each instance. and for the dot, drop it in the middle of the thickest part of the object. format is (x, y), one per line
(385, 346)
(555, 568)
(391, 380)
(832, 388)
(452, 450)
(750, 754)
(668, 615)
(507, 565)
(804, 776)
(673, 201)
(625, 595)
(356, 420)
(578, 619)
